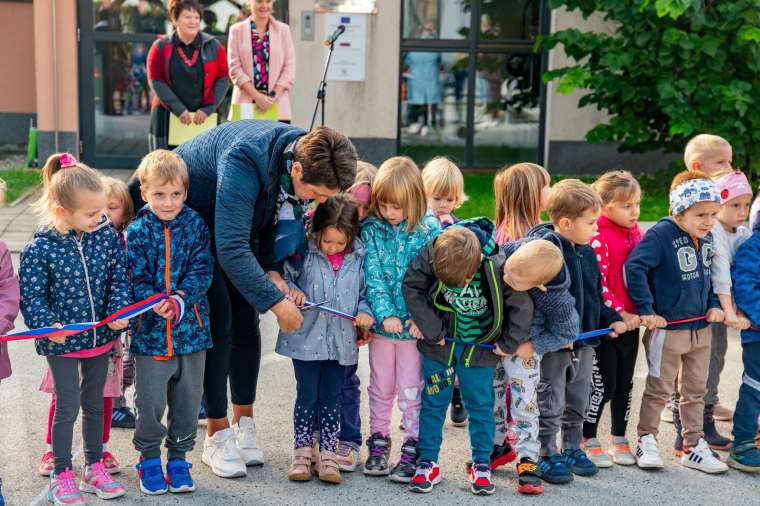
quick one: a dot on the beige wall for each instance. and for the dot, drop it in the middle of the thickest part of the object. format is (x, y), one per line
(66, 29)
(358, 109)
(17, 91)
(564, 120)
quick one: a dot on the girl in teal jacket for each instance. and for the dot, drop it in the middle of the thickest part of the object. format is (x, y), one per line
(393, 236)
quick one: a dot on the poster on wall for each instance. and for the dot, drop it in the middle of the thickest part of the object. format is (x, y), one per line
(349, 55)
(356, 6)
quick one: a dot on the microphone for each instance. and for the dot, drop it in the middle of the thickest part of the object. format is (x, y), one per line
(337, 33)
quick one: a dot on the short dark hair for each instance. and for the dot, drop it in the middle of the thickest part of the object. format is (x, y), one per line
(177, 6)
(339, 211)
(328, 158)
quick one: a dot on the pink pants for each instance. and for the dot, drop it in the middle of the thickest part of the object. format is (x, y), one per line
(395, 370)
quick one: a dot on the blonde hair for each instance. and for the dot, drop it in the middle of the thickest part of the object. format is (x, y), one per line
(441, 177)
(570, 198)
(517, 190)
(365, 174)
(701, 145)
(118, 188)
(615, 186)
(398, 182)
(160, 167)
(539, 261)
(61, 186)
(456, 256)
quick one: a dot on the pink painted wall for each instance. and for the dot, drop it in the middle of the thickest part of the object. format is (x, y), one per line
(17, 85)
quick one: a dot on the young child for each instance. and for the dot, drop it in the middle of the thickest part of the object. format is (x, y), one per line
(668, 276)
(745, 454)
(74, 271)
(520, 192)
(709, 154)
(325, 345)
(393, 236)
(113, 385)
(444, 187)
(168, 251)
(350, 438)
(9, 306)
(453, 289)
(564, 389)
(728, 234)
(614, 359)
(121, 211)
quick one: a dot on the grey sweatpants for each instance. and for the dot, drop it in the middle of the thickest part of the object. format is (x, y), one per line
(70, 394)
(178, 384)
(718, 349)
(563, 395)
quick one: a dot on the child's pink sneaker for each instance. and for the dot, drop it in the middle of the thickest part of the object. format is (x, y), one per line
(112, 464)
(47, 464)
(63, 490)
(96, 480)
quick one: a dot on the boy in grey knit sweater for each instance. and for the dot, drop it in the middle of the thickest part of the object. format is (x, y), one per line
(555, 325)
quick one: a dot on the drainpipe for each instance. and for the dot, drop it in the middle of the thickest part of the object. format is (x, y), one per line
(55, 74)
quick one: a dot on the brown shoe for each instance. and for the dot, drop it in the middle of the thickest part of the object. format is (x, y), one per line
(722, 413)
(300, 469)
(327, 467)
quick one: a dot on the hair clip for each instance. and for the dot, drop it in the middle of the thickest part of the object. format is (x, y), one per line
(66, 160)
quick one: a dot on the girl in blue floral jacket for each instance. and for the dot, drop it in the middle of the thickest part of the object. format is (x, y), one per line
(74, 271)
(393, 236)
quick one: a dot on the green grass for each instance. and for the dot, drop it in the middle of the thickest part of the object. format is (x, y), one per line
(485, 156)
(19, 180)
(479, 188)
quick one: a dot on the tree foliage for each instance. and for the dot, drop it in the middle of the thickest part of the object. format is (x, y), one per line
(669, 70)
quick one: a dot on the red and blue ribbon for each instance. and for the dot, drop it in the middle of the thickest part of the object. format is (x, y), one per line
(126, 313)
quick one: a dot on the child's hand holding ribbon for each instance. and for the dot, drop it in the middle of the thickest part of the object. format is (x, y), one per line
(363, 320)
(57, 339)
(122, 324)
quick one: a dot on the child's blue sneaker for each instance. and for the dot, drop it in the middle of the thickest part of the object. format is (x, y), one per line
(745, 457)
(2, 500)
(151, 474)
(180, 480)
(553, 470)
(579, 463)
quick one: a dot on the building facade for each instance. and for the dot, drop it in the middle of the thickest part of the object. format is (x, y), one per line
(441, 77)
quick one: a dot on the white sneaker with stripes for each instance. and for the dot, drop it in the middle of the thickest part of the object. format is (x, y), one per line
(647, 453)
(701, 458)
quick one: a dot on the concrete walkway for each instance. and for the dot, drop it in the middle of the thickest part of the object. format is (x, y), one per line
(18, 223)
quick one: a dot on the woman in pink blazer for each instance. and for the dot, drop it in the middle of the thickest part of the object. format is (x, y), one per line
(262, 61)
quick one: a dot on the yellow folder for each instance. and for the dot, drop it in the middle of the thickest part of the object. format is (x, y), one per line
(250, 111)
(179, 133)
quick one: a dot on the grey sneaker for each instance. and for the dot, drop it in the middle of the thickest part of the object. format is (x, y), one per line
(404, 470)
(620, 451)
(377, 461)
(595, 453)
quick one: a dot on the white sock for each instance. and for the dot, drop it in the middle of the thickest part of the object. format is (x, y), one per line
(50, 448)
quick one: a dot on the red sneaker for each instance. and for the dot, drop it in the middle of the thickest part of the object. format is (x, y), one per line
(427, 475)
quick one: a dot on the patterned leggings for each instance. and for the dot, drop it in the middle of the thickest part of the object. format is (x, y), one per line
(318, 388)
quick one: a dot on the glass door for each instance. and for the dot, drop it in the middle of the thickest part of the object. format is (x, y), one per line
(471, 84)
(114, 96)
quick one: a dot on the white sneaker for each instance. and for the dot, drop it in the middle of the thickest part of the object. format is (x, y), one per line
(701, 458)
(221, 454)
(647, 454)
(248, 445)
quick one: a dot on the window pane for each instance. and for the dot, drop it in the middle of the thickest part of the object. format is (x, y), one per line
(436, 19)
(509, 19)
(140, 16)
(122, 99)
(507, 90)
(433, 105)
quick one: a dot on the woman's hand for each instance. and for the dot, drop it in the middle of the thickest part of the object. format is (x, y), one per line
(200, 117)
(289, 317)
(263, 102)
(297, 296)
(185, 118)
(280, 283)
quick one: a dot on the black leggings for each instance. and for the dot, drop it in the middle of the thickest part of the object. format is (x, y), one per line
(237, 348)
(614, 362)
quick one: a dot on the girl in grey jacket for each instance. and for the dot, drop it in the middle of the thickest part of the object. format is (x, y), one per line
(325, 344)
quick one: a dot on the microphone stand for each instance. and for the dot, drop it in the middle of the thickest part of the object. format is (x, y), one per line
(321, 90)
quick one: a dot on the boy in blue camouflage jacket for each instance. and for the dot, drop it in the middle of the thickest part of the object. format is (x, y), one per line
(168, 251)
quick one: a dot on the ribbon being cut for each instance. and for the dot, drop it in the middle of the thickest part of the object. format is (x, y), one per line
(126, 313)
